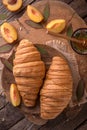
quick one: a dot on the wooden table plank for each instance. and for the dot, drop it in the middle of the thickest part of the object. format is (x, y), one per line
(14, 120)
(83, 126)
(9, 116)
(3, 102)
(80, 6)
(24, 124)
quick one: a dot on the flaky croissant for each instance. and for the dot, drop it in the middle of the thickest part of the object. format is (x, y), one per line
(57, 89)
(28, 71)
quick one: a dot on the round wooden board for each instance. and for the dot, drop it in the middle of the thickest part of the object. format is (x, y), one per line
(78, 63)
(33, 114)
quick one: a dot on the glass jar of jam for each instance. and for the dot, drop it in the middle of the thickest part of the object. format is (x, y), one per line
(80, 34)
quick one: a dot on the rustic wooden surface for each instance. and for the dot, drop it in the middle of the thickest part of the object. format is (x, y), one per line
(75, 119)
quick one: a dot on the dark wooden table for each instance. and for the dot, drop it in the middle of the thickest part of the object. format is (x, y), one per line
(12, 119)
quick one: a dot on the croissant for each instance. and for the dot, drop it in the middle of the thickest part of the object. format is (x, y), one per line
(57, 89)
(28, 71)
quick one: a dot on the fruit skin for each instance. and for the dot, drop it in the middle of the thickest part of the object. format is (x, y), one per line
(13, 7)
(34, 14)
(8, 32)
(14, 95)
(56, 25)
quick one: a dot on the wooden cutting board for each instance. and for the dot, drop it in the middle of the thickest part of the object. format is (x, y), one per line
(52, 45)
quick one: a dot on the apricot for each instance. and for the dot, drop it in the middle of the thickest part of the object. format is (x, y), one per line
(13, 5)
(8, 32)
(56, 25)
(14, 95)
(34, 14)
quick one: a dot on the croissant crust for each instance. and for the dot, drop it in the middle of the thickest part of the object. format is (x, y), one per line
(28, 71)
(57, 89)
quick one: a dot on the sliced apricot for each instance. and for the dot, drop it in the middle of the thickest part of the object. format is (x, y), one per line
(14, 95)
(13, 5)
(56, 25)
(34, 14)
(8, 32)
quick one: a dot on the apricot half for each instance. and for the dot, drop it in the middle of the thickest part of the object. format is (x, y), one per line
(56, 25)
(8, 32)
(14, 95)
(34, 14)
(13, 5)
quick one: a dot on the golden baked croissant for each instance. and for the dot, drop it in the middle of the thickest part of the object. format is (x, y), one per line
(57, 89)
(28, 71)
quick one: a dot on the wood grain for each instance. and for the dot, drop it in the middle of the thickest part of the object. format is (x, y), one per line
(61, 45)
(9, 116)
(80, 117)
